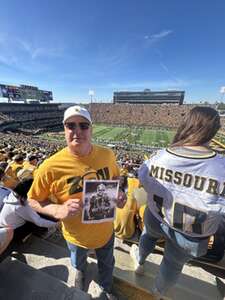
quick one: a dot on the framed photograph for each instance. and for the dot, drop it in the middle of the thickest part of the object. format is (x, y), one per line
(99, 200)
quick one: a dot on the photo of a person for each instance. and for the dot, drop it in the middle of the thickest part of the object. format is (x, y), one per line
(99, 200)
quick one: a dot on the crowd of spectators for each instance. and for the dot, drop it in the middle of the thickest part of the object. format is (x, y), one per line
(43, 147)
(15, 149)
(164, 116)
(19, 116)
(16, 143)
(149, 115)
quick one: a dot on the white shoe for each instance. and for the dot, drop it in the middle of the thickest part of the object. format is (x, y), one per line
(110, 296)
(157, 295)
(101, 294)
(139, 269)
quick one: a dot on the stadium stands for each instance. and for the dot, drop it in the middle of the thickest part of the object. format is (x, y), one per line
(49, 116)
(16, 116)
(163, 116)
(149, 97)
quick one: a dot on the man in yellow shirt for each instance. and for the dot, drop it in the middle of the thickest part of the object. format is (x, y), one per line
(60, 178)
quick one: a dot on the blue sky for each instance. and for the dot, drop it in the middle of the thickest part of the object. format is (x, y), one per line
(73, 46)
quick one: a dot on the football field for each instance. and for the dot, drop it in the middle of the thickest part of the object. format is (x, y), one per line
(108, 134)
(134, 135)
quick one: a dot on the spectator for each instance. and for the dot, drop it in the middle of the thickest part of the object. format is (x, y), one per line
(3, 190)
(125, 222)
(31, 163)
(186, 197)
(12, 170)
(62, 176)
(16, 210)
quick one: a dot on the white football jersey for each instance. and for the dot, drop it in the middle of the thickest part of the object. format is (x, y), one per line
(186, 189)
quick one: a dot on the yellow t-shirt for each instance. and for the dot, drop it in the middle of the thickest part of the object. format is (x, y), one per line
(28, 169)
(124, 225)
(10, 179)
(60, 178)
(13, 169)
(141, 215)
(123, 172)
(28, 166)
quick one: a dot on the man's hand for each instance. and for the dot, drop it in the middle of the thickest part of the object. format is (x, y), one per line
(121, 200)
(69, 208)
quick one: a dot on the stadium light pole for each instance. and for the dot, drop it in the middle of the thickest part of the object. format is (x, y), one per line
(91, 94)
(222, 92)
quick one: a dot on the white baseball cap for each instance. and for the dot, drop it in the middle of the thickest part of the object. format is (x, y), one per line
(76, 111)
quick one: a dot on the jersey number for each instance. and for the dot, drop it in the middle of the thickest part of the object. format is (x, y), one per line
(180, 213)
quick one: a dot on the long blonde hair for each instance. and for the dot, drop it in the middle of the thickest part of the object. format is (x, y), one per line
(198, 128)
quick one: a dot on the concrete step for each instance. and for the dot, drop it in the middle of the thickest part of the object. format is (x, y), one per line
(221, 286)
(134, 289)
(55, 261)
(194, 283)
(22, 282)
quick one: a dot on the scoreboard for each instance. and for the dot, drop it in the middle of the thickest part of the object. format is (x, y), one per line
(24, 92)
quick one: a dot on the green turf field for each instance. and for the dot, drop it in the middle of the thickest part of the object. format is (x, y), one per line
(106, 134)
(135, 135)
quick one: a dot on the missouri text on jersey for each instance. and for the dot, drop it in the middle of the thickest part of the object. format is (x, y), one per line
(206, 184)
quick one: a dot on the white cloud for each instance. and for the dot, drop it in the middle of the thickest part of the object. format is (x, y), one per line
(164, 67)
(8, 59)
(35, 52)
(25, 56)
(161, 34)
(158, 36)
(141, 85)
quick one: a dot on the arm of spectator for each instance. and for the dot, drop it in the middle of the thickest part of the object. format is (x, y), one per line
(58, 211)
(6, 235)
(122, 196)
(28, 214)
(121, 200)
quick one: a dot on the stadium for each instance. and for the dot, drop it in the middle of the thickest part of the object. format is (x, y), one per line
(133, 117)
(134, 125)
(149, 125)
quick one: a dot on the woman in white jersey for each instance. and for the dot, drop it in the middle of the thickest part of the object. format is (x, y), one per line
(186, 197)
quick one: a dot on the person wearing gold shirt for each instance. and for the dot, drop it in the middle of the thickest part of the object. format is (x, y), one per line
(11, 180)
(60, 178)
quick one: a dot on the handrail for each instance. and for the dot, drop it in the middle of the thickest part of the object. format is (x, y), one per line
(218, 143)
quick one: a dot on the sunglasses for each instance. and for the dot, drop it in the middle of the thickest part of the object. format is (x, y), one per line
(73, 126)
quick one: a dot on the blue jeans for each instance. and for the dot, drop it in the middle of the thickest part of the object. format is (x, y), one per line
(179, 249)
(105, 260)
